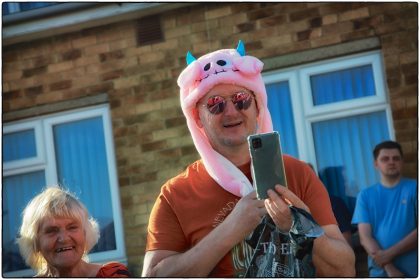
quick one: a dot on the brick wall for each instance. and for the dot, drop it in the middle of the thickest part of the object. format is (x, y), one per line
(151, 138)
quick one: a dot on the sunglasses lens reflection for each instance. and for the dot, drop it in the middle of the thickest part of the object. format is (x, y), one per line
(217, 104)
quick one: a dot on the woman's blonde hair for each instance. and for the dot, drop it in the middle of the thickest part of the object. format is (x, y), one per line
(52, 202)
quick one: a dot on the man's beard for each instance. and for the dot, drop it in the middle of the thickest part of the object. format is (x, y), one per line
(234, 142)
(394, 173)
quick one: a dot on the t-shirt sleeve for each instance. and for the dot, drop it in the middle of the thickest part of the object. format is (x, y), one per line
(307, 186)
(415, 199)
(361, 213)
(318, 200)
(164, 230)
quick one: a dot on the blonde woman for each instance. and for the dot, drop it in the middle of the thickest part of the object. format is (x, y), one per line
(57, 234)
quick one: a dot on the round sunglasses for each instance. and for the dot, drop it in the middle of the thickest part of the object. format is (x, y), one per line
(216, 104)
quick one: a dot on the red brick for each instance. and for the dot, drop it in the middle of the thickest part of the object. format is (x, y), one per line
(406, 113)
(217, 12)
(305, 14)
(72, 54)
(13, 76)
(112, 75)
(354, 14)
(360, 34)
(33, 91)
(10, 95)
(260, 13)
(6, 106)
(173, 122)
(170, 153)
(408, 57)
(96, 49)
(42, 61)
(34, 71)
(84, 41)
(118, 54)
(100, 88)
(9, 55)
(344, 28)
(61, 85)
(272, 21)
(325, 40)
(145, 177)
(333, 8)
(61, 66)
(303, 35)
(188, 150)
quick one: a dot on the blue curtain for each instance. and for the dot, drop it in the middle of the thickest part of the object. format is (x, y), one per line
(342, 85)
(344, 152)
(17, 191)
(280, 107)
(19, 145)
(82, 168)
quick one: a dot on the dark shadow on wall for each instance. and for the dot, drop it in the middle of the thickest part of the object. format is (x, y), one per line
(334, 180)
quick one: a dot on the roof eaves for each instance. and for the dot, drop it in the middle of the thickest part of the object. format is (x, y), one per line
(54, 20)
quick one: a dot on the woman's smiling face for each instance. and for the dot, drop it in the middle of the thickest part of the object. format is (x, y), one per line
(62, 242)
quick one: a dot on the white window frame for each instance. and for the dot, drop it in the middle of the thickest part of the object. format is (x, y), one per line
(337, 65)
(305, 113)
(36, 126)
(48, 164)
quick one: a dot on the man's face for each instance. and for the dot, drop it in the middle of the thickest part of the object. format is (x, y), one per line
(231, 127)
(389, 162)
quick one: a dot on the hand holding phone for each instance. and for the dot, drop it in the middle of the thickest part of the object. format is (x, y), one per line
(267, 162)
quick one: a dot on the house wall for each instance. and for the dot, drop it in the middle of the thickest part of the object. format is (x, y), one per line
(152, 142)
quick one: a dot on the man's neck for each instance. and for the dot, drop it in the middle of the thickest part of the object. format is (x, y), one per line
(390, 182)
(239, 156)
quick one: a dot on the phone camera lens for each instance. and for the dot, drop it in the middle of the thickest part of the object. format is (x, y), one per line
(256, 143)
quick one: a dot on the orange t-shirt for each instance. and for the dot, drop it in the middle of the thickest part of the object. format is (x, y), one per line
(192, 204)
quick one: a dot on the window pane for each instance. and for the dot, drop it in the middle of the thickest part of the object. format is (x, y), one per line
(82, 168)
(18, 190)
(342, 85)
(19, 145)
(344, 152)
(25, 6)
(280, 107)
(10, 8)
(16, 7)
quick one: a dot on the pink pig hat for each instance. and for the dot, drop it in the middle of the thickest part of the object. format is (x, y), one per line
(226, 66)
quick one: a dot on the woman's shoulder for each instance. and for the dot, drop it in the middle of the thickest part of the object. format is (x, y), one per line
(113, 269)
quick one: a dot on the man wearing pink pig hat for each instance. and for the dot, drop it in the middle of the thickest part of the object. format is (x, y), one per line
(202, 218)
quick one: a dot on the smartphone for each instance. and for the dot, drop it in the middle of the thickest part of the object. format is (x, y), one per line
(267, 162)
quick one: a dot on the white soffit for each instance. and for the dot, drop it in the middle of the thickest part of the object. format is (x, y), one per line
(72, 17)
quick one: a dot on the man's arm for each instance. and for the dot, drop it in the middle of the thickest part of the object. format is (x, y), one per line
(366, 239)
(372, 248)
(201, 259)
(406, 244)
(332, 256)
